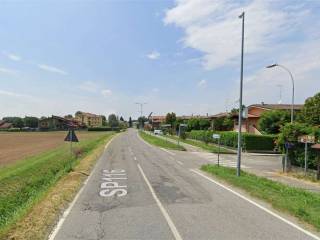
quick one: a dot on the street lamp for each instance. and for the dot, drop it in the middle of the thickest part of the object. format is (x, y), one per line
(240, 100)
(291, 76)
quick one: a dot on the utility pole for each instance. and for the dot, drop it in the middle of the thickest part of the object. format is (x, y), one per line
(141, 109)
(240, 100)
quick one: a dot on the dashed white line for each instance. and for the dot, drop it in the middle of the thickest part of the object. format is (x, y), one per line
(257, 205)
(171, 153)
(134, 158)
(172, 227)
(179, 162)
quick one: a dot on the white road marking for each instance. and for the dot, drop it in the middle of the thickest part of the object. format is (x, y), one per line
(171, 153)
(173, 228)
(257, 205)
(134, 158)
(179, 162)
(68, 210)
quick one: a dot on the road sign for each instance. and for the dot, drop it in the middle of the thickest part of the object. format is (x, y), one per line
(216, 136)
(71, 136)
(245, 113)
(307, 139)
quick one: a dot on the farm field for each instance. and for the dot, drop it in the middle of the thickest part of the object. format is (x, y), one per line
(16, 146)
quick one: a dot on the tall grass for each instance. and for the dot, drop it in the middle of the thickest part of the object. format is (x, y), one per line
(22, 184)
(160, 142)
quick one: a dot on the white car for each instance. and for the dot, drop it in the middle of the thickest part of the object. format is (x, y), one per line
(158, 132)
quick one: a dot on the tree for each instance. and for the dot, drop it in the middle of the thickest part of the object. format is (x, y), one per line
(204, 124)
(223, 124)
(121, 119)
(31, 122)
(271, 121)
(17, 122)
(113, 120)
(310, 113)
(104, 120)
(68, 116)
(130, 122)
(141, 121)
(193, 124)
(171, 118)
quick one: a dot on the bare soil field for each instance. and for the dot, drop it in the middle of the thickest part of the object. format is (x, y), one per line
(16, 146)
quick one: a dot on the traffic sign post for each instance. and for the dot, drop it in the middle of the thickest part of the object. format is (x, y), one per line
(217, 136)
(306, 139)
(71, 137)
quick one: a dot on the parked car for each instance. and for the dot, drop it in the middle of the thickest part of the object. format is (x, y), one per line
(158, 132)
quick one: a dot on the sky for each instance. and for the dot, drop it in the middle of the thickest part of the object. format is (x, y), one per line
(183, 56)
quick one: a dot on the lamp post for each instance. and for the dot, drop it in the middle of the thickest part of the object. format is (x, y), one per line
(240, 100)
(292, 81)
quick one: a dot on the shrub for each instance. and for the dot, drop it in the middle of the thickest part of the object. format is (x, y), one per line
(250, 141)
(104, 129)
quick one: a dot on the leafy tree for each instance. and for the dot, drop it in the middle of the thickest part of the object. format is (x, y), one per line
(17, 122)
(113, 120)
(121, 119)
(193, 124)
(68, 116)
(228, 124)
(171, 118)
(31, 122)
(130, 122)
(104, 120)
(223, 124)
(271, 121)
(204, 124)
(311, 110)
(141, 121)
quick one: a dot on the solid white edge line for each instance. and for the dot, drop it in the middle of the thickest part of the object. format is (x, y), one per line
(68, 210)
(173, 154)
(164, 212)
(257, 205)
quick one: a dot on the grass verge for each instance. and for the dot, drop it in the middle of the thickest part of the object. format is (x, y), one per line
(33, 194)
(160, 142)
(208, 147)
(300, 203)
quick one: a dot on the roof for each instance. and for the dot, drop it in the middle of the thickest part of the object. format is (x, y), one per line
(5, 125)
(277, 106)
(89, 114)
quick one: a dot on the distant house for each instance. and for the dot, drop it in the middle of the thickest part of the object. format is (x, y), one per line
(5, 125)
(58, 123)
(89, 119)
(250, 124)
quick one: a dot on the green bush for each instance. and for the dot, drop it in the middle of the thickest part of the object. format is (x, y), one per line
(104, 129)
(251, 142)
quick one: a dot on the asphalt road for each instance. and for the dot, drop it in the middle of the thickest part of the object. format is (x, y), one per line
(138, 191)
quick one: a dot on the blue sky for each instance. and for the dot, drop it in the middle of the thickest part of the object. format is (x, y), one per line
(57, 57)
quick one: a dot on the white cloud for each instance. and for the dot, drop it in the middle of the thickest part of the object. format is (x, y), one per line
(52, 69)
(154, 55)
(202, 83)
(213, 27)
(13, 57)
(7, 71)
(13, 94)
(88, 86)
(106, 92)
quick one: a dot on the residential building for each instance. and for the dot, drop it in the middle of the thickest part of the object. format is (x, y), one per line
(5, 125)
(58, 123)
(89, 119)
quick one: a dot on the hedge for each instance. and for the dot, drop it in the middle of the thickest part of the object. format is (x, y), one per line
(251, 142)
(104, 129)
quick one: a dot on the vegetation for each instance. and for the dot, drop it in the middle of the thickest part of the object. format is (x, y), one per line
(251, 142)
(223, 124)
(113, 121)
(208, 147)
(25, 183)
(159, 142)
(300, 203)
(130, 122)
(311, 111)
(271, 122)
(198, 124)
(104, 129)
(291, 133)
(18, 122)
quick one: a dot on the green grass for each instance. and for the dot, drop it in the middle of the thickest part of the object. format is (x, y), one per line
(208, 147)
(160, 142)
(24, 183)
(300, 203)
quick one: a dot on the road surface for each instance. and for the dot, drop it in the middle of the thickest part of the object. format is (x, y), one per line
(138, 191)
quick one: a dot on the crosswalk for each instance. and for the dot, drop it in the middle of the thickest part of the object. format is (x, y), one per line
(223, 162)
